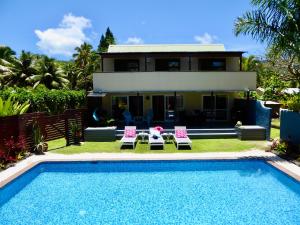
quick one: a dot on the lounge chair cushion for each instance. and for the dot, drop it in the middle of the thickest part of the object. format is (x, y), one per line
(181, 133)
(130, 133)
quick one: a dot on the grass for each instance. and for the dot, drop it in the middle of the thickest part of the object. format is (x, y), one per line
(275, 128)
(199, 145)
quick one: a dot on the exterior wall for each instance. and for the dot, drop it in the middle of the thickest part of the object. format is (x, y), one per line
(191, 100)
(174, 81)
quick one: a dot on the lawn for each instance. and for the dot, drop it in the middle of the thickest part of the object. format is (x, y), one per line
(199, 145)
(275, 128)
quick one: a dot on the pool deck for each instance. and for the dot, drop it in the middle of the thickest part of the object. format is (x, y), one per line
(11, 173)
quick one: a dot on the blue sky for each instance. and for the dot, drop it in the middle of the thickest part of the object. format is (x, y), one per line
(55, 27)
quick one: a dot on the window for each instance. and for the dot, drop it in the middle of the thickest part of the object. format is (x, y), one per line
(167, 65)
(170, 105)
(215, 107)
(119, 104)
(123, 65)
(212, 64)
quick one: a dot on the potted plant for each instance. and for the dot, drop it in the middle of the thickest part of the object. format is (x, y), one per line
(40, 146)
(76, 133)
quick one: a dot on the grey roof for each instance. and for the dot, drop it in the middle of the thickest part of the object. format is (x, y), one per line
(166, 48)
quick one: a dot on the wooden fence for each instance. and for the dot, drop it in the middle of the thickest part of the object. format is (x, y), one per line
(52, 126)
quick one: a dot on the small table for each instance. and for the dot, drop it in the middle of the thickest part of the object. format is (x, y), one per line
(144, 136)
(168, 137)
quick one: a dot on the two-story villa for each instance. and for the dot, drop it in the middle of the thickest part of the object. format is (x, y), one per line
(204, 79)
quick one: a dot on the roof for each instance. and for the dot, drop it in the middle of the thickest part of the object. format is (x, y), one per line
(159, 48)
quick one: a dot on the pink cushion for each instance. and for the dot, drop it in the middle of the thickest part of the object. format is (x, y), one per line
(180, 133)
(130, 133)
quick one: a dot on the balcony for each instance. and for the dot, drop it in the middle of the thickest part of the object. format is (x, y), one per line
(174, 81)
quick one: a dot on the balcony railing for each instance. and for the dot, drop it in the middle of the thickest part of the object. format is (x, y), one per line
(174, 81)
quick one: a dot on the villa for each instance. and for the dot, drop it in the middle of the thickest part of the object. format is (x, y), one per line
(204, 80)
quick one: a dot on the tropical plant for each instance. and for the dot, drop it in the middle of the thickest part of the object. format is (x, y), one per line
(44, 100)
(275, 22)
(17, 71)
(293, 103)
(10, 107)
(75, 132)
(40, 146)
(250, 63)
(49, 74)
(15, 149)
(86, 62)
(71, 74)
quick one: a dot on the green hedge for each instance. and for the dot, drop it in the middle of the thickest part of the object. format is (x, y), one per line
(44, 100)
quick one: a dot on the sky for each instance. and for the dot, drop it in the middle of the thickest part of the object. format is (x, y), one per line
(56, 27)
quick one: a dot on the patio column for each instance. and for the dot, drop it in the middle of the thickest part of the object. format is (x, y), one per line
(212, 105)
(175, 107)
(138, 104)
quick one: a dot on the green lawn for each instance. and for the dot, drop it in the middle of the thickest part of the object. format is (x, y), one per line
(275, 130)
(199, 145)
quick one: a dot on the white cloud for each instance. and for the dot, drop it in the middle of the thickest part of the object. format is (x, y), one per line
(206, 38)
(63, 39)
(134, 41)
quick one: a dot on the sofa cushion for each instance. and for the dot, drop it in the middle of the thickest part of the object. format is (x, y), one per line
(181, 133)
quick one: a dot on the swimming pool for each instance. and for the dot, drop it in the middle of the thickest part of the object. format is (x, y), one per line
(152, 192)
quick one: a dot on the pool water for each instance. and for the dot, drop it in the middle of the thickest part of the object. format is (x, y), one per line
(152, 192)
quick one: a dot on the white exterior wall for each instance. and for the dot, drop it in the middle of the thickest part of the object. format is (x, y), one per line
(174, 81)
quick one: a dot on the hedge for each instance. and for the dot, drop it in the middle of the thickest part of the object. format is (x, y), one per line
(44, 100)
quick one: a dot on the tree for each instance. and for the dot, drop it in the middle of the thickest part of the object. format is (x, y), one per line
(86, 62)
(275, 22)
(49, 74)
(250, 63)
(71, 74)
(106, 40)
(17, 71)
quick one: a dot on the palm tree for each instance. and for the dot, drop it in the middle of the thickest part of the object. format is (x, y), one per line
(17, 71)
(86, 62)
(250, 63)
(49, 74)
(71, 74)
(276, 22)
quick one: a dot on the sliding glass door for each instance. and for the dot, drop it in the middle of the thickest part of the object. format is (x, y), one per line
(216, 107)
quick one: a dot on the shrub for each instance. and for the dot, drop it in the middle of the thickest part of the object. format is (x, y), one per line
(11, 107)
(42, 99)
(279, 146)
(293, 103)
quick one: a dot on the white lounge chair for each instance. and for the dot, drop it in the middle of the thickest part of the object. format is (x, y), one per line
(155, 138)
(181, 138)
(129, 137)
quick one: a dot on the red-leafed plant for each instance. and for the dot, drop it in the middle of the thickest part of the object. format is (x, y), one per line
(15, 149)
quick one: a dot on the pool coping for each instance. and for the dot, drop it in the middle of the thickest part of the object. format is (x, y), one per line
(21, 167)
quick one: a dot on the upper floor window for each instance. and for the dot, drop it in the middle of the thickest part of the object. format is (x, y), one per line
(212, 64)
(123, 65)
(167, 65)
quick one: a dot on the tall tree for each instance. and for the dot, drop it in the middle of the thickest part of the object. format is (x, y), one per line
(86, 62)
(106, 40)
(276, 22)
(49, 74)
(17, 71)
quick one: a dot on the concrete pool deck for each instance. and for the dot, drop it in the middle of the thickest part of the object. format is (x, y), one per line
(11, 173)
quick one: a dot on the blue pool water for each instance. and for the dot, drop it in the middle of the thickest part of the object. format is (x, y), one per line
(181, 192)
